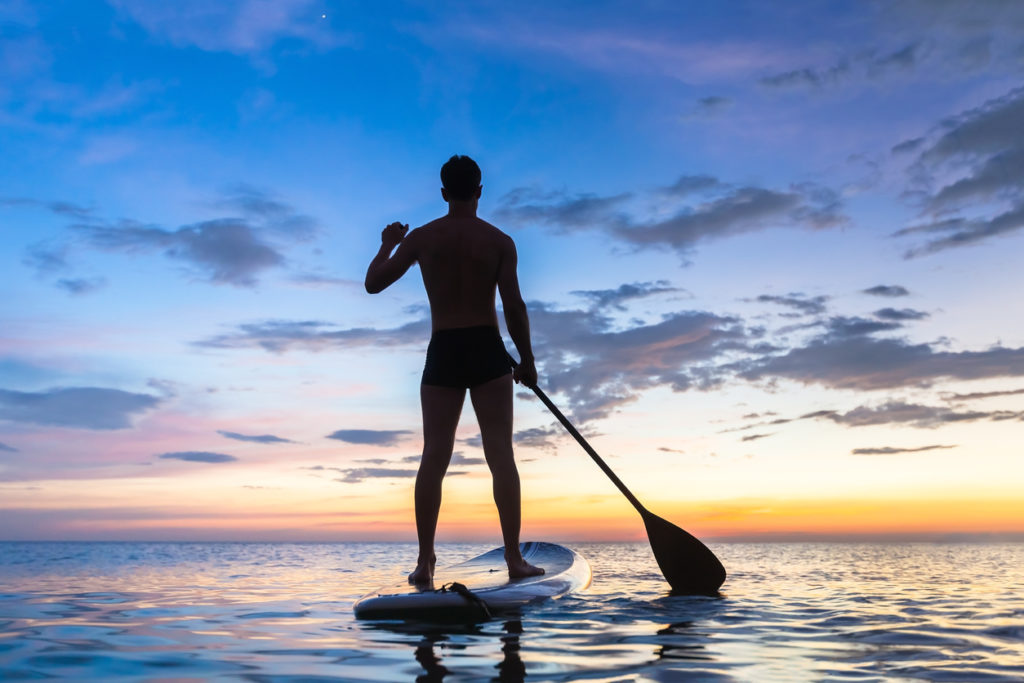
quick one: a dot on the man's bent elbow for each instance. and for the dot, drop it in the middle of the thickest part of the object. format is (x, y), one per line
(516, 309)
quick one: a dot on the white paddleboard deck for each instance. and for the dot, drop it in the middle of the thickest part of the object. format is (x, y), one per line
(486, 577)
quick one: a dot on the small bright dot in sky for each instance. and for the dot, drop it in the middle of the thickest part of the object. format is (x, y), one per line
(323, 16)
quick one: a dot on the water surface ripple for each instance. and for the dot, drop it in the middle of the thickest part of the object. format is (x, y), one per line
(282, 612)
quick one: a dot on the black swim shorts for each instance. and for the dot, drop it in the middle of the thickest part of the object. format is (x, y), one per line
(465, 357)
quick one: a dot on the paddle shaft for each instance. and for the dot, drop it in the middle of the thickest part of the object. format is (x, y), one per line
(687, 564)
(586, 446)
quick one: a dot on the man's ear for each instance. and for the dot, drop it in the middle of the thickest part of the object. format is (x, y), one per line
(479, 190)
(444, 194)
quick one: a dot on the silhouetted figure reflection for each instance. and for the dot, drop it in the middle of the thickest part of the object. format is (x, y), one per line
(464, 262)
(511, 669)
(430, 662)
(683, 650)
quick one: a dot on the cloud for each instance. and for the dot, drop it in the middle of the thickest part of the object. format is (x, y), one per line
(457, 459)
(232, 249)
(383, 468)
(803, 304)
(314, 280)
(908, 146)
(867, 65)
(755, 437)
(226, 251)
(687, 185)
(864, 66)
(886, 291)
(583, 353)
(373, 437)
(992, 128)
(982, 394)
(544, 438)
(893, 412)
(538, 437)
(77, 407)
(614, 298)
(279, 336)
(998, 174)
(565, 213)
(265, 438)
(268, 212)
(198, 456)
(623, 49)
(890, 450)
(915, 415)
(724, 211)
(599, 366)
(708, 107)
(961, 232)
(46, 258)
(79, 286)
(356, 475)
(57, 207)
(4, 448)
(983, 150)
(901, 314)
(236, 26)
(807, 77)
(846, 356)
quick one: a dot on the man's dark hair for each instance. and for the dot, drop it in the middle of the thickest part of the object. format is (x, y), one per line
(461, 178)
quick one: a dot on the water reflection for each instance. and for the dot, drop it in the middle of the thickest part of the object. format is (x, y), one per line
(466, 640)
(676, 643)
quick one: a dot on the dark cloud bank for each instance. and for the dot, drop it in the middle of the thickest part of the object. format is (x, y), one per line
(700, 208)
(598, 364)
(983, 149)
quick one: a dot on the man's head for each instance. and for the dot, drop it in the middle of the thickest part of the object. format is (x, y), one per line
(460, 178)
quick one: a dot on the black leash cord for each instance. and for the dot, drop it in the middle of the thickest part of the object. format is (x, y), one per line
(458, 588)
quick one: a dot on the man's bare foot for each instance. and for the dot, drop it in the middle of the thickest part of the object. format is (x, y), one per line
(424, 572)
(520, 568)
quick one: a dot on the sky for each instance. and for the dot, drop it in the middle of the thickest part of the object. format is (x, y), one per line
(771, 253)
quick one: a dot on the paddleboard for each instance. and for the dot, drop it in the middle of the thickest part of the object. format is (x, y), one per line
(489, 590)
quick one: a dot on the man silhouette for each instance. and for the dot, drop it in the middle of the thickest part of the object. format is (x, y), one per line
(463, 260)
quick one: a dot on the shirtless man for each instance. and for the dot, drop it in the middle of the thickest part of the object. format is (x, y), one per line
(463, 260)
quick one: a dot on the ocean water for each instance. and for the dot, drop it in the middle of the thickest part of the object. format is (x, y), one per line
(283, 612)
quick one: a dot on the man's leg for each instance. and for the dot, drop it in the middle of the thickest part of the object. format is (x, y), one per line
(441, 409)
(492, 402)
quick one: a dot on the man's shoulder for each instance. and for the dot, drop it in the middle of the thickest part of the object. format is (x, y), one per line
(479, 225)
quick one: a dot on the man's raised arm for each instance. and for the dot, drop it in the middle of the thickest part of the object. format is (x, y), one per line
(516, 318)
(385, 269)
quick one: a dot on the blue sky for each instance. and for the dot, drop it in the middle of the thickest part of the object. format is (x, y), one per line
(771, 249)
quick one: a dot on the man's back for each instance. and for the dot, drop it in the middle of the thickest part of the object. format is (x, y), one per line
(461, 260)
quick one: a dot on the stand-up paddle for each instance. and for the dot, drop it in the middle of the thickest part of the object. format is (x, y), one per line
(688, 565)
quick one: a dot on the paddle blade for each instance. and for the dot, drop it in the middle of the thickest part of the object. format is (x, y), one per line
(688, 565)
